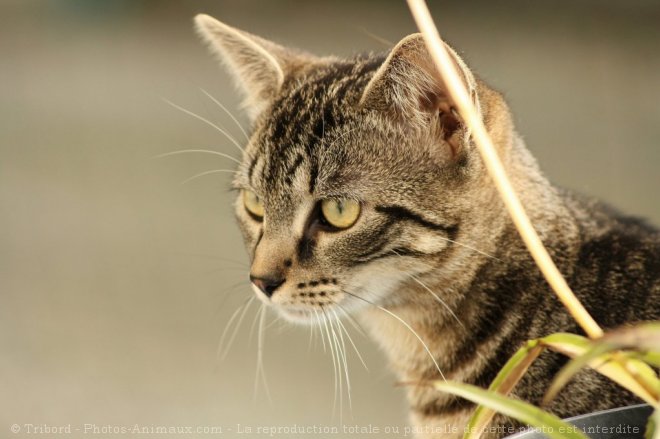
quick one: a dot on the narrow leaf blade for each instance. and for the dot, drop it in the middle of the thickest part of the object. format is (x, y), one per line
(551, 425)
(504, 382)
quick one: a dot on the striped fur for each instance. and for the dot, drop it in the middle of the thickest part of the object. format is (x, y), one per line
(380, 129)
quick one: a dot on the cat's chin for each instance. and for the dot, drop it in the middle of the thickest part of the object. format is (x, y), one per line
(298, 316)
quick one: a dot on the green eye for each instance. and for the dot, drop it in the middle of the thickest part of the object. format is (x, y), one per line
(341, 214)
(253, 203)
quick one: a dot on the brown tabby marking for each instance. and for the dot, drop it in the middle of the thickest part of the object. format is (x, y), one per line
(433, 244)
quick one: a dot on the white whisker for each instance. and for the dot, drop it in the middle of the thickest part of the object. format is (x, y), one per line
(335, 342)
(227, 291)
(342, 135)
(343, 355)
(442, 302)
(318, 320)
(215, 257)
(261, 372)
(238, 124)
(208, 122)
(225, 269)
(236, 328)
(205, 151)
(403, 322)
(258, 370)
(280, 328)
(437, 298)
(334, 360)
(254, 322)
(352, 321)
(470, 248)
(243, 307)
(377, 38)
(201, 174)
(350, 339)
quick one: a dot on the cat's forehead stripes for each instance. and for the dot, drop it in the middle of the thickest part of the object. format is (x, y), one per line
(304, 120)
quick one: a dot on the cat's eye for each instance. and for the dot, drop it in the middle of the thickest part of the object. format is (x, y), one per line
(253, 204)
(340, 213)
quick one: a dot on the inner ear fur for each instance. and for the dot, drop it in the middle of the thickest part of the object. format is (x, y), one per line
(408, 88)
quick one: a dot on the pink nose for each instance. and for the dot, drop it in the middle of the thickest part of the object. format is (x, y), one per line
(267, 285)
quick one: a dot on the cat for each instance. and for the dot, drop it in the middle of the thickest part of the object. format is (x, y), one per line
(361, 193)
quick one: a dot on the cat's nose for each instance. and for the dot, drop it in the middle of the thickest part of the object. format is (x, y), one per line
(267, 284)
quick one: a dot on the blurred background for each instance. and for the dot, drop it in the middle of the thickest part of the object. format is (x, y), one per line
(116, 281)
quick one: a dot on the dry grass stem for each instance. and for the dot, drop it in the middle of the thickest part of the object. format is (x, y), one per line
(469, 114)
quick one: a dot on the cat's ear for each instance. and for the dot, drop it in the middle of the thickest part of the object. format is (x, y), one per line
(408, 87)
(259, 67)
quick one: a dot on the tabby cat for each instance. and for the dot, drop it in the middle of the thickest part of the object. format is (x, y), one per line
(360, 191)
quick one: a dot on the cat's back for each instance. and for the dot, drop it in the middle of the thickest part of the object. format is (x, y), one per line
(617, 272)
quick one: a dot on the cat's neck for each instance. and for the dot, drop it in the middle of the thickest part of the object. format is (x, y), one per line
(492, 248)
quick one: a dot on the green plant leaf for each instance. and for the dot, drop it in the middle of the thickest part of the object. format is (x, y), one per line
(549, 424)
(565, 343)
(643, 373)
(595, 355)
(504, 382)
(652, 358)
(587, 352)
(574, 345)
(606, 352)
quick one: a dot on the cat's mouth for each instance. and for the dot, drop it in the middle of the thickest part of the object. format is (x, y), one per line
(305, 304)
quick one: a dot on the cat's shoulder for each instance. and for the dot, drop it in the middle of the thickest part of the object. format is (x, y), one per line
(598, 220)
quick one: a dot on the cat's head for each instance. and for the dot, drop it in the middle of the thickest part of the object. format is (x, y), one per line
(359, 179)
